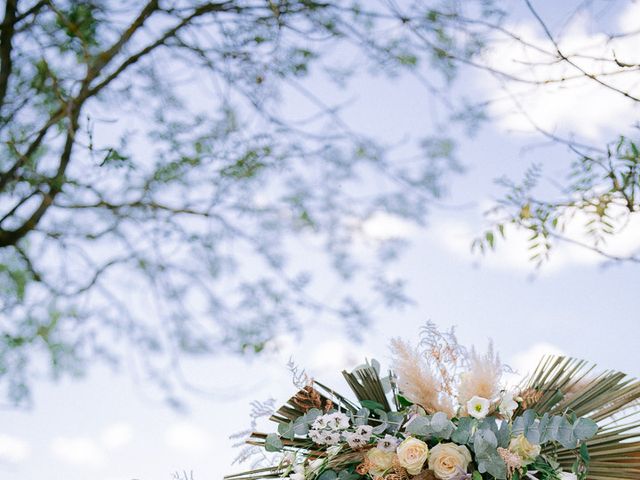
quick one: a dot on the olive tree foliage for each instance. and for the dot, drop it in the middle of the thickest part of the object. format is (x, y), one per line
(154, 183)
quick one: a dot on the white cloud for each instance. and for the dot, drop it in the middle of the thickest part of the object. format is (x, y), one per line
(525, 362)
(335, 355)
(630, 20)
(80, 451)
(384, 226)
(116, 436)
(579, 106)
(188, 438)
(13, 449)
(512, 253)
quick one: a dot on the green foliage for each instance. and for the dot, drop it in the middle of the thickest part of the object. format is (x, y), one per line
(80, 24)
(601, 196)
(273, 443)
(556, 428)
(149, 163)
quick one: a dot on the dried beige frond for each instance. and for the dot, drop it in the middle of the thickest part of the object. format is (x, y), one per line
(416, 381)
(444, 354)
(483, 378)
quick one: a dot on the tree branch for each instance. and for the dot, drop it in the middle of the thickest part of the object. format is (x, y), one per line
(563, 57)
(10, 237)
(6, 39)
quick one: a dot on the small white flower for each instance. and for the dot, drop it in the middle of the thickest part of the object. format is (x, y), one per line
(316, 436)
(321, 422)
(354, 440)
(508, 404)
(388, 444)
(331, 438)
(364, 431)
(338, 421)
(478, 407)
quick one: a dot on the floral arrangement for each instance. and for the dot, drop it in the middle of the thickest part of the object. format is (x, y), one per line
(443, 412)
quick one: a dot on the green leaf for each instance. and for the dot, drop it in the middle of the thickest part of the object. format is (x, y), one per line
(584, 453)
(584, 429)
(371, 405)
(419, 426)
(462, 434)
(273, 443)
(287, 430)
(328, 475)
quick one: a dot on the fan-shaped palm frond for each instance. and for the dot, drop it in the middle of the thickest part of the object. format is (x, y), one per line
(612, 399)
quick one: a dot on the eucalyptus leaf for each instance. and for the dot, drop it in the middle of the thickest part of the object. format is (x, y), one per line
(462, 433)
(328, 475)
(273, 443)
(419, 426)
(584, 429)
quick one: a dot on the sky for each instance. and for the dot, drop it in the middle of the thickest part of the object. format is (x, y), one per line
(108, 426)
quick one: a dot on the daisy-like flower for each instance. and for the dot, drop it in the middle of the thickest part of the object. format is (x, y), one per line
(317, 437)
(331, 438)
(321, 422)
(338, 421)
(364, 431)
(354, 440)
(388, 444)
(478, 407)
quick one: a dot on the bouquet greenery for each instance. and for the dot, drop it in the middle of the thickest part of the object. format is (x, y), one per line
(443, 413)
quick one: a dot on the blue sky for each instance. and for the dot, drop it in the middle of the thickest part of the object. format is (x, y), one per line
(111, 427)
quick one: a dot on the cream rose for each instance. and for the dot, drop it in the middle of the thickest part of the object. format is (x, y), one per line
(379, 461)
(447, 460)
(412, 453)
(524, 449)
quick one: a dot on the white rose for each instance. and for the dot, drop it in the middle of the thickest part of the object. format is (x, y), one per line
(412, 453)
(448, 460)
(379, 461)
(478, 407)
(526, 450)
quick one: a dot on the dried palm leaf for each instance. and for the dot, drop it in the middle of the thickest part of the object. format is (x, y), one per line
(610, 398)
(366, 385)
